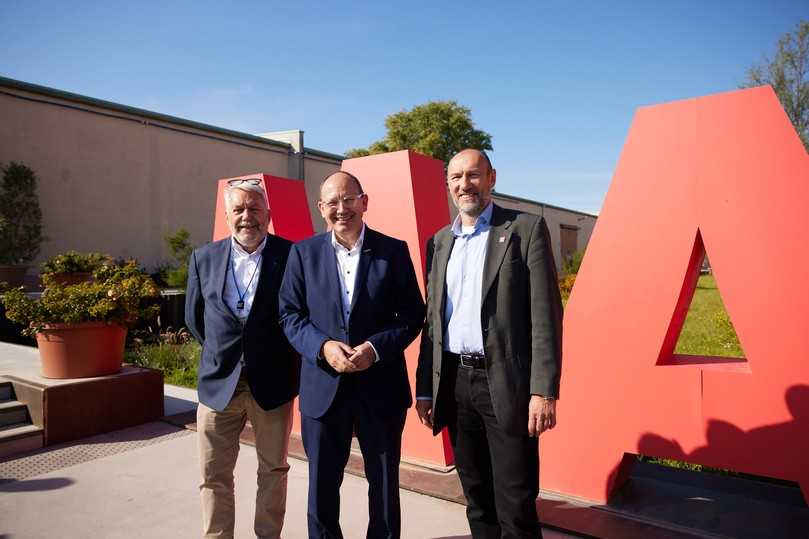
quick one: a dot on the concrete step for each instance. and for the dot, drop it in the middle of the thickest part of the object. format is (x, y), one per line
(20, 438)
(6, 390)
(12, 412)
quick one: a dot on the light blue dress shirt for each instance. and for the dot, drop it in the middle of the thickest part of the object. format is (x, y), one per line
(462, 331)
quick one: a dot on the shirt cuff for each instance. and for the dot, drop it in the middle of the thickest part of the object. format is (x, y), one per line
(376, 354)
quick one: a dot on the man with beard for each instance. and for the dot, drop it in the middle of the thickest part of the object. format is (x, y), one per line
(350, 304)
(247, 369)
(490, 359)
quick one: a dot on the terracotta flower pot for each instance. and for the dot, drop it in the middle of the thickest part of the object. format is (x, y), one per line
(82, 350)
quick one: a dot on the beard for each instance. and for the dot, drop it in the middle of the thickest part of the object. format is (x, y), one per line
(473, 208)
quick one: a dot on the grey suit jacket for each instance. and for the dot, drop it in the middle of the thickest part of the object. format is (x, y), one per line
(521, 318)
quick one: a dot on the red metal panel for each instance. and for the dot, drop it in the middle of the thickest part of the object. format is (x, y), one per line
(407, 199)
(730, 171)
(289, 211)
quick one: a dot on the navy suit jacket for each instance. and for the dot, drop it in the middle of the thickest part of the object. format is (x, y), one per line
(259, 348)
(387, 310)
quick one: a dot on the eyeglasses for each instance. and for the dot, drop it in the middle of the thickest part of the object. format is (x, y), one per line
(349, 201)
(239, 181)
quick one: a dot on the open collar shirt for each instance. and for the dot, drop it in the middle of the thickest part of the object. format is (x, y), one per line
(246, 269)
(348, 262)
(464, 281)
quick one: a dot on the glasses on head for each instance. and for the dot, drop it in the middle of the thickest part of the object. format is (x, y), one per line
(240, 181)
(349, 201)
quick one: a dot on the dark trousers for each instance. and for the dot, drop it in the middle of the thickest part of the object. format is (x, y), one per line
(499, 471)
(327, 442)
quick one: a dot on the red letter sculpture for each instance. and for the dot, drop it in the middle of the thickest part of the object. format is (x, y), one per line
(730, 173)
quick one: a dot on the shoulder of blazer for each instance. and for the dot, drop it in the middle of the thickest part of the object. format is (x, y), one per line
(375, 239)
(278, 245)
(442, 234)
(518, 218)
(313, 243)
(215, 248)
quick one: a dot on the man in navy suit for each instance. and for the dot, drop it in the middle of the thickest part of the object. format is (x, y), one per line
(247, 369)
(350, 304)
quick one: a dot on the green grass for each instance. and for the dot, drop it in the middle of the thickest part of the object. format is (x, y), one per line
(708, 330)
(178, 361)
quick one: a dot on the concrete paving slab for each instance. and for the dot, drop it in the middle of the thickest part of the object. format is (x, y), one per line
(142, 483)
(151, 491)
(178, 400)
(19, 359)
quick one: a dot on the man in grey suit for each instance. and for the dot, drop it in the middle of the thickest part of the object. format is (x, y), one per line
(490, 359)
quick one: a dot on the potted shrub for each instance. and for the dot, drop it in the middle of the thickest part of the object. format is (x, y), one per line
(20, 222)
(81, 328)
(72, 267)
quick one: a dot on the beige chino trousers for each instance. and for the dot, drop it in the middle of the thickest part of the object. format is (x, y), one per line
(218, 443)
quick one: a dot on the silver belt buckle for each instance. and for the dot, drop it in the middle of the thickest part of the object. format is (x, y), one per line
(471, 361)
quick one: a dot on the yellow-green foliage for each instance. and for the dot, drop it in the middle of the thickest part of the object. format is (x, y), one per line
(73, 262)
(566, 285)
(120, 294)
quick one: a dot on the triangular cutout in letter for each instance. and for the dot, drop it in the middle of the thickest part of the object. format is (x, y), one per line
(701, 332)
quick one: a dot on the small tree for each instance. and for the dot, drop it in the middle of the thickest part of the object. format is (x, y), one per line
(572, 263)
(20, 215)
(439, 129)
(180, 248)
(788, 74)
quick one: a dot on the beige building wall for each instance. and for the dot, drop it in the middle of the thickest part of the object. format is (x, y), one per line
(108, 183)
(556, 218)
(117, 180)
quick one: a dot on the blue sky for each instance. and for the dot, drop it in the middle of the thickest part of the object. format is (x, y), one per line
(555, 83)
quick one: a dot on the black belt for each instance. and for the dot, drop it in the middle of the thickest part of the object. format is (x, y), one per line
(467, 361)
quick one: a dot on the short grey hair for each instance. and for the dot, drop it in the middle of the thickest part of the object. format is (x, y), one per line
(244, 187)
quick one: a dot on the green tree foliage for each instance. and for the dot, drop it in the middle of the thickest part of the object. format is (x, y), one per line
(788, 74)
(572, 263)
(20, 215)
(180, 247)
(437, 128)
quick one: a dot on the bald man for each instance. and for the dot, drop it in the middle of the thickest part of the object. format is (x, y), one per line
(350, 304)
(490, 359)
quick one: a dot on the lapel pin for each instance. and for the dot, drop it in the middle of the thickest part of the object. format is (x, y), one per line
(502, 239)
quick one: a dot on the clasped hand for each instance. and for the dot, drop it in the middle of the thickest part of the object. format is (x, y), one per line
(345, 359)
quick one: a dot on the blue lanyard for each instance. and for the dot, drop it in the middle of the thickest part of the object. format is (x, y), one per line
(240, 303)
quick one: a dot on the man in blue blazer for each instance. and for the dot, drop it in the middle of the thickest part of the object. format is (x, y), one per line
(247, 369)
(350, 304)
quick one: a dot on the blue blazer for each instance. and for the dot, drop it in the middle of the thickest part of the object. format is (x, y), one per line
(260, 348)
(387, 310)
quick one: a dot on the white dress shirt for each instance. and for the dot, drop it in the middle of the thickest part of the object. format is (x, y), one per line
(246, 268)
(348, 261)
